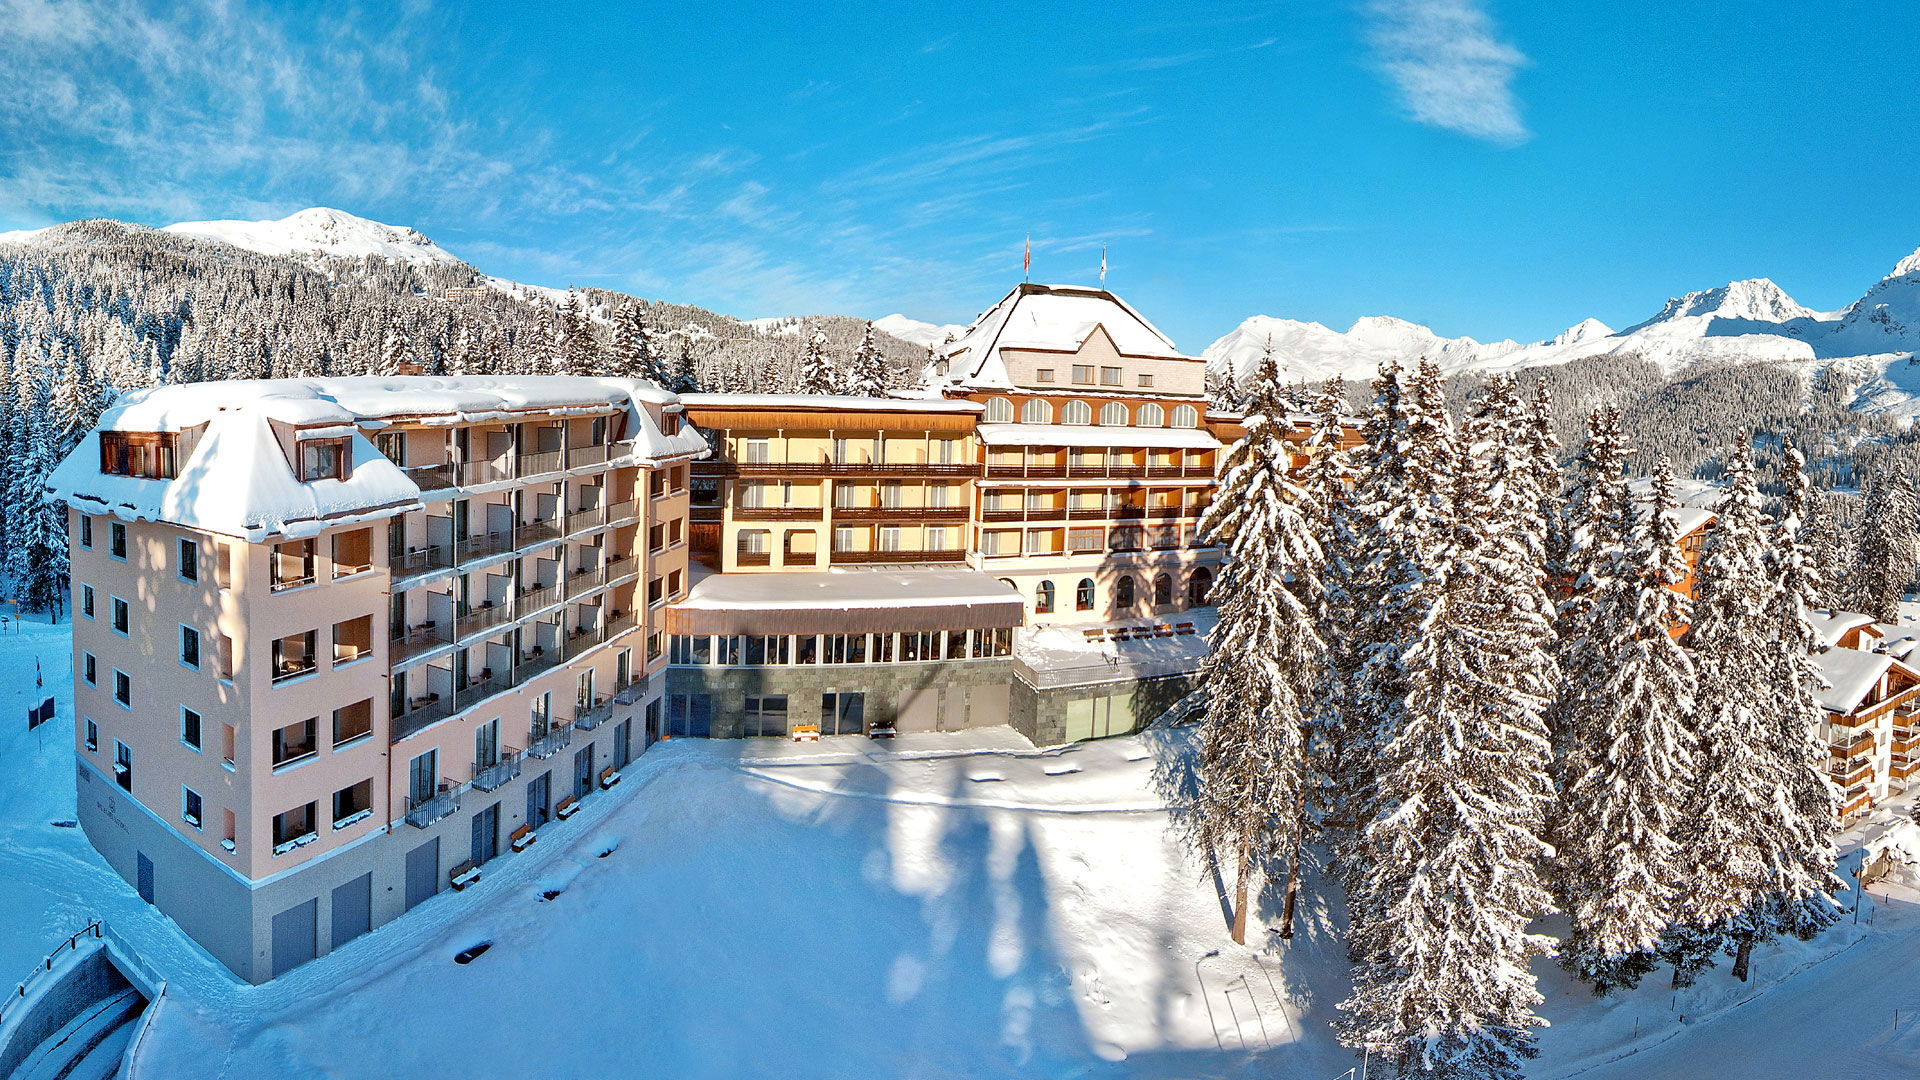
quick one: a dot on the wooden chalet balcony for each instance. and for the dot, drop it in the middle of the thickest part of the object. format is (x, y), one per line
(1855, 803)
(1853, 777)
(753, 558)
(836, 468)
(1036, 471)
(1861, 745)
(905, 555)
(776, 513)
(893, 514)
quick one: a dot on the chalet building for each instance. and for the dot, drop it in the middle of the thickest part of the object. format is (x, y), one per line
(1869, 727)
(338, 643)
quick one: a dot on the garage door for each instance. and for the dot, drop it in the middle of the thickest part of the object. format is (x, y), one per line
(918, 710)
(293, 937)
(423, 872)
(352, 909)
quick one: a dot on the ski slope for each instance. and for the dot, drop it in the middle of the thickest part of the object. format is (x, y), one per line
(957, 905)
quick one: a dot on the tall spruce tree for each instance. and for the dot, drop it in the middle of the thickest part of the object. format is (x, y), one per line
(1730, 832)
(818, 373)
(1888, 549)
(1616, 862)
(866, 374)
(1598, 521)
(1263, 656)
(1453, 881)
(1802, 899)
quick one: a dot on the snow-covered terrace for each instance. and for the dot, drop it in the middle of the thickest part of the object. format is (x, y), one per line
(1057, 656)
(236, 480)
(865, 599)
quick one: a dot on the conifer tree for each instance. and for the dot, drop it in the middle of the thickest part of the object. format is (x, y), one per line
(1326, 477)
(393, 353)
(579, 352)
(1802, 900)
(1616, 860)
(866, 374)
(1599, 519)
(1453, 881)
(818, 373)
(1888, 549)
(684, 379)
(1730, 832)
(1827, 548)
(1263, 656)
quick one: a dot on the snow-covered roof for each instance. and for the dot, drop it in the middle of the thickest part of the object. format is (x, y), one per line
(1085, 435)
(1851, 675)
(1055, 318)
(1832, 626)
(829, 401)
(1058, 656)
(236, 479)
(845, 601)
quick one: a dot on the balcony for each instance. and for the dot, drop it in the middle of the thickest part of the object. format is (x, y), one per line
(753, 558)
(422, 813)
(1852, 747)
(838, 468)
(581, 521)
(593, 715)
(580, 457)
(495, 776)
(619, 569)
(778, 513)
(905, 555)
(431, 477)
(620, 624)
(421, 560)
(623, 513)
(528, 465)
(419, 640)
(476, 473)
(554, 741)
(484, 617)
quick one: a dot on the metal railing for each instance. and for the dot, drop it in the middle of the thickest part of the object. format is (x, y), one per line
(495, 776)
(555, 740)
(422, 813)
(593, 715)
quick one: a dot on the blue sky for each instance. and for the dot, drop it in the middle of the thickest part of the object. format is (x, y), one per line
(1493, 169)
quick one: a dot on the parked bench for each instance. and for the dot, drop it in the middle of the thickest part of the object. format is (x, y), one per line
(806, 733)
(609, 776)
(464, 875)
(566, 808)
(523, 837)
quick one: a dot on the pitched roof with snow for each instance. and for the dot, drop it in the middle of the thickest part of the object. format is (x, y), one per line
(1851, 675)
(235, 479)
(1831, 626)
(1052, 318)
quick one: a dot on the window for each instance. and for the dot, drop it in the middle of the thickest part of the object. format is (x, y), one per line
(756, 451)
(752, 494)
(123, 765)
(86, 601)
(352, 805)
(1036, 411)
(293, 828)
(93, 734)
(1150, 416)
(1109, 376)
(117, 540)
(1044, 374)
(1083, 595)
(120, 615)
(189, 560)
(352, 640)
(1113, 414)
(1076, 412)
(190, 728)
(352, 552)
(323, 459)
(999, 410)
(937, 539)
(190, 647)
(1199, 586)
(292, 564)
(296, 742)
(1085, 541)
(86, 530)
(1043, 598)
(1123, 593)
(89, 668)
(122, 688)
(1163, 537)
(1146, 381)
(1083, 374)
(148, 455)
(1162, 590)
(1001, 542)
(293, 655)
(352, 722)
(844, 538)
(1185, 416)
(1124, 538)
(946, 451)
(190, 806)
(765, 716)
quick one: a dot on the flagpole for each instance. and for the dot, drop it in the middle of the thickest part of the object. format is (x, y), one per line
(1026, 260)
(1103, 267)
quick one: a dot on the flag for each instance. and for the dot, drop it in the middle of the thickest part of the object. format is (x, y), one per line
(1103, 266)
(1026, 260)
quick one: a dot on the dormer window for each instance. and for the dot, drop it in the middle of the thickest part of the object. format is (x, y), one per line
(323, 459)
(148, 455)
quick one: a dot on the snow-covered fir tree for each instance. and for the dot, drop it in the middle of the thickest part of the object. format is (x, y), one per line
(1888, 549)
(1598, 521)
(866, 372)
(393, 352)
(1829, 551)
(818, 373)
(1731, 834)
(1802, 895)
(1263, 656)
(1453, 877)
(577, 351)
(1615, 869)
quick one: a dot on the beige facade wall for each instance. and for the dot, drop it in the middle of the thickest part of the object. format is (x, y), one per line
(1181, 377)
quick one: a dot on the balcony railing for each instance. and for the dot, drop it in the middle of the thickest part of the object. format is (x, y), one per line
(424, 638)
(855, 514)
(620, 624)
(908, 555)
(623, 513)
(431, 477)
(753, 558)
(422, 813)
(778, 513)
(581, 456)
(484, 616)
(538, 464)
(838, 468)
(593, 715)
(622, 568)
(495, 776)
(555, 740)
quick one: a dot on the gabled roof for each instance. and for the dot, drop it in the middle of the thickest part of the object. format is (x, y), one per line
(1055, 318)
(1851, 675)
(1831, 626)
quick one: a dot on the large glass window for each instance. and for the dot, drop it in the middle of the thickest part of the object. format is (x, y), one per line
(1113, 414)
(999, 411)
(148, 455)
(1083, 595)
(1185, 416)
(1043, 598)
(1036, 411)
(296, 742)
(765, 715)
(1150, 416)
(1076, 412)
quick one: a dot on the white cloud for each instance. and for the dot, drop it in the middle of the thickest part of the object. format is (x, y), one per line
(1450, 68)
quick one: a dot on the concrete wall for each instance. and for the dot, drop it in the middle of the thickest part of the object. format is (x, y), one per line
(79, 980)
(1041, 715)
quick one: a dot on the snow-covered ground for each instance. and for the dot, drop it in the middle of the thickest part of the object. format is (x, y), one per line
(958, 905)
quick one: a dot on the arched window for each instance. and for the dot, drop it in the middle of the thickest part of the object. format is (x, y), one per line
(1162, 590)
(1150, 416)
(1036, 411)
(1123, 593)
(1185, 416)
(1113, 414)
(999, 411)
(1198, 586)
(1043, 599)
(1083, 596)
(1076, 412)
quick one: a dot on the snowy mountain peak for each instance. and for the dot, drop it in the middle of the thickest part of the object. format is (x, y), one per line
(1584, 330)
(917, 332)
(321, 231)
(1755, 300)
(1906, 266)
